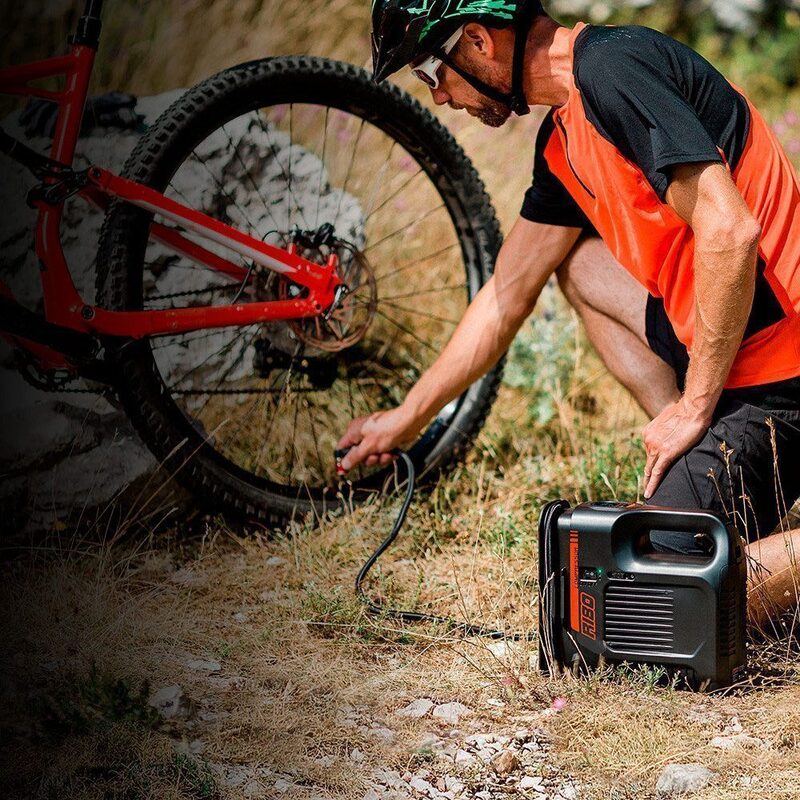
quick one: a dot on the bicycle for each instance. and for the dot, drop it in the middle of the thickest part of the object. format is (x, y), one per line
(251, 294)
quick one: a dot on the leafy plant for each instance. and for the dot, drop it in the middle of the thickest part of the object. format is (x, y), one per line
(77, 708)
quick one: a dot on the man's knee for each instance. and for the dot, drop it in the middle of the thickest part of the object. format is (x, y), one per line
(569, 275)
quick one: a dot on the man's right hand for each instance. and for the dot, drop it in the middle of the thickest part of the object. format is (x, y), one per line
(371, 439)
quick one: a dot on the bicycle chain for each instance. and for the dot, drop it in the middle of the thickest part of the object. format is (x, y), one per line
(189, 293)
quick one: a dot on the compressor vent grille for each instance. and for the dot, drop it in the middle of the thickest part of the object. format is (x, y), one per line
(639, 618)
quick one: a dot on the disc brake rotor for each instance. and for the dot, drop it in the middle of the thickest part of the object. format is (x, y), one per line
(349, 322)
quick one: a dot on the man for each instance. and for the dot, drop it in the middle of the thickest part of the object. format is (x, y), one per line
(691, 292)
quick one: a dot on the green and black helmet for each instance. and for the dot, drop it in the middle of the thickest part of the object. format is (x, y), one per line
(402, 30)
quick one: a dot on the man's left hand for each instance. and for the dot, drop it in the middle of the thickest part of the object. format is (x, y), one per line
(676, 429)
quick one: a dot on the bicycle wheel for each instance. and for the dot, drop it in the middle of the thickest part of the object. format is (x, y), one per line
(252, 414)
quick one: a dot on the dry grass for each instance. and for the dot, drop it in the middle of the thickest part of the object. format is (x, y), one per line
(304, 673)
(299, 659)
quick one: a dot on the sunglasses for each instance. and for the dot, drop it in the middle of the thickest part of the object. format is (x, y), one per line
(428, 69)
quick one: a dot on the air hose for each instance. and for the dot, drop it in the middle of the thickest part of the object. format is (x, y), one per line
(466, 629)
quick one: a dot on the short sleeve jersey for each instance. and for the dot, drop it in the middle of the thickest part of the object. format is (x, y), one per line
(640, 103)
(659, 102)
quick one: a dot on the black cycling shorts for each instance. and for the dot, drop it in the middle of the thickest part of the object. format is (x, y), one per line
(747, 466)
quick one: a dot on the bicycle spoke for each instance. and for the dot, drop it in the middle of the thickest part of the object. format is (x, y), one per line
(252, 182)
(224, 349)
(393, 195)
(225, 192)
(438, 290)
(315, 439)
(378, 182)
(292, 449)
(407, 330)
(404, 228)
(289, 196)
(415, 263)
(291, 153)
(349, 172)
(225, 375)
(418, 313)
(322, 164)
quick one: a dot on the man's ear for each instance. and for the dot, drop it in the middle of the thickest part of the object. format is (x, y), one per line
(479, 38)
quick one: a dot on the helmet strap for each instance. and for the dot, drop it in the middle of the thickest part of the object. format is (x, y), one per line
(515, 99)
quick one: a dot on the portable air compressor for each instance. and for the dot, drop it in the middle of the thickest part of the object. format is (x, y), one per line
(608, 596)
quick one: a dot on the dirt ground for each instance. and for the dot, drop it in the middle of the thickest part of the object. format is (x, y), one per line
(212, 663)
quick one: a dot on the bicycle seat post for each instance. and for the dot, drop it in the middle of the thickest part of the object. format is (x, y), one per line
(88, 33)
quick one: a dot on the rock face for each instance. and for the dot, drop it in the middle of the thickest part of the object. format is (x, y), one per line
(65, 456)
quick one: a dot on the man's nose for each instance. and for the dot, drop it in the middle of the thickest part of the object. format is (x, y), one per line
(440, 96)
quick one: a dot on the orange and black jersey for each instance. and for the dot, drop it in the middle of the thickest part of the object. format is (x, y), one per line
(640, 103)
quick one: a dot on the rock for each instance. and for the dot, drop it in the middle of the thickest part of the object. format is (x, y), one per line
(463, 758)
(734, 726)
(422, 786)
(568, 792)
(451, 713)
(240, 617)
(253, 789)
(194, 748)
(38, 437)
(683, 778)
(428, 741)
(371, 794)
(498, 649)
(704, 716)
(275, 561)
(204, 665)
(505, 762)
(80, 454)
(234, 774)
(416, 709)
(737, 740)
(531, 782)
(282, 785)
(187, 577)
(170, 703)
(226, 681)
(480, 740)
(382, 734)
(453, 785)
(356, 756)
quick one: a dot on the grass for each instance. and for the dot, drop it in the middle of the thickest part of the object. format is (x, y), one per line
(90, 623)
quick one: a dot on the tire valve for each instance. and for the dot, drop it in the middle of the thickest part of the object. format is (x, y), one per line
(340, 454)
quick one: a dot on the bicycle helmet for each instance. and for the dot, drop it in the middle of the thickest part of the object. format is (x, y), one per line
(402, 30)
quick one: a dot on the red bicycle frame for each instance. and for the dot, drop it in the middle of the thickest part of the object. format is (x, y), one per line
(63, 304)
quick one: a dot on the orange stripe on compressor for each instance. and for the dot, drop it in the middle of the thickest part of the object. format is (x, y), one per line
(574, 609)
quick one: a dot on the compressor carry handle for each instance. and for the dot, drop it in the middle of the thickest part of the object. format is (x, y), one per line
(649, 518)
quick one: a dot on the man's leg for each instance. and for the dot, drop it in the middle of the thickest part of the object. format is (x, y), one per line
(611, 304)
(773, 578)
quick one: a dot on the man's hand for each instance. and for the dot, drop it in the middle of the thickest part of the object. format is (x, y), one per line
(372, 438)
(528, 257)
(676, 429)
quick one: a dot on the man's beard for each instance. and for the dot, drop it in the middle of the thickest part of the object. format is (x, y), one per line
(493, 114)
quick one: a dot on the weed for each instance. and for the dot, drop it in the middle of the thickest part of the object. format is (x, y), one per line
(77, 708)
(195, 778)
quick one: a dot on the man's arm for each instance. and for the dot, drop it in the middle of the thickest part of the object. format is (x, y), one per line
(726, 247)
(529, 255)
